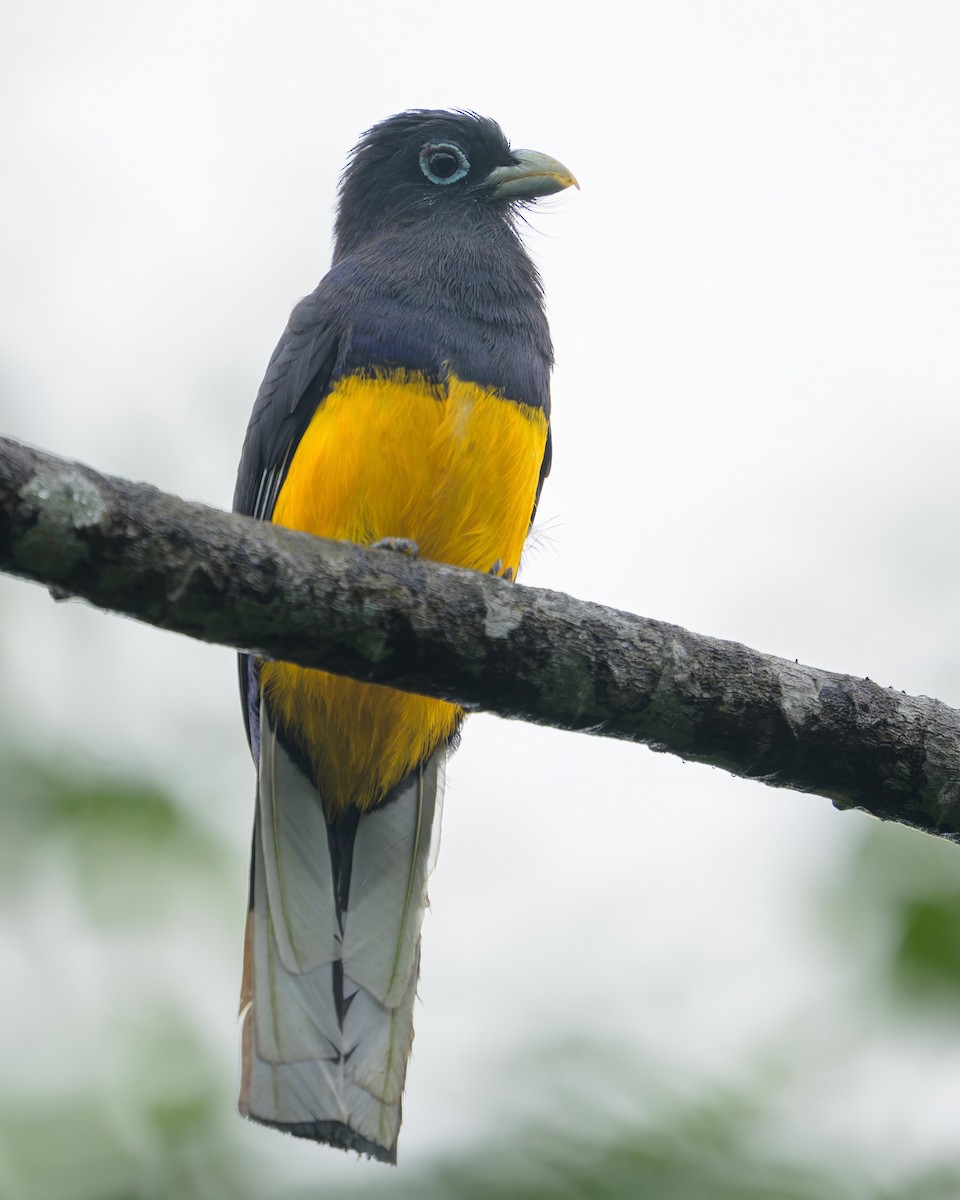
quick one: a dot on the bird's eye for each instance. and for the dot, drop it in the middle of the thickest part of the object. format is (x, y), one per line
(443, 162)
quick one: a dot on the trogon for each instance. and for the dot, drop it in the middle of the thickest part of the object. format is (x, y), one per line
(407, 402)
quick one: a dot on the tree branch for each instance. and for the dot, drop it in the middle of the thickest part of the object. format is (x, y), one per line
(476, 640)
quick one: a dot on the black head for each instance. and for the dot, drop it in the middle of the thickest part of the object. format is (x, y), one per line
(427, 163)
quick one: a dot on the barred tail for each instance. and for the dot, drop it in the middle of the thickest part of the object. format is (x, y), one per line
(332, 953)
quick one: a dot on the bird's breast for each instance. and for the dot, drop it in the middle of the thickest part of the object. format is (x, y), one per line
(453, 467)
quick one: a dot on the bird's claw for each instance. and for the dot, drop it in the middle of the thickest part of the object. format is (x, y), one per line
(398, 545)
(501, 572)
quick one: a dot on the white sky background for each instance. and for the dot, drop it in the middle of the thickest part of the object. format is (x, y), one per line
(755, 300)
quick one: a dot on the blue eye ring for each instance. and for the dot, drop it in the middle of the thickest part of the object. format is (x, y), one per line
(443, 163)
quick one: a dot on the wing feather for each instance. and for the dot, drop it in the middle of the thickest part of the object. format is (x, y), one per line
(297, 379)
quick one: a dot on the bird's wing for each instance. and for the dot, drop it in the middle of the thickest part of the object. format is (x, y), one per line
(544, 471)
(297, 379)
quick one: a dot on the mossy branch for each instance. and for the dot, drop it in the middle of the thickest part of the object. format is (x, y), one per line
(483, 643)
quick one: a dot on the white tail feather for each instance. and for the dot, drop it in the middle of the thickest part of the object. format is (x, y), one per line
(388, 889)
(293, 829)
(328, 994)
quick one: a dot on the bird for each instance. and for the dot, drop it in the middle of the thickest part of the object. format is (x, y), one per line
(406, 407)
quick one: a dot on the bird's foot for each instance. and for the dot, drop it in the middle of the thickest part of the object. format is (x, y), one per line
(398, 545)
(502, 572)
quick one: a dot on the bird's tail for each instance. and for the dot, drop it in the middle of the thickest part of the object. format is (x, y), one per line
(332, 953)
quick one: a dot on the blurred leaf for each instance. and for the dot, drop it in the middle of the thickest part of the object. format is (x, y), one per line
(65, 1149)
(662, 1162)
(895, 861)
(127, 842)
(162, 1123)
(43, 800)
(164, 1126)
(896, 910)
(130, 810)
(928, 954)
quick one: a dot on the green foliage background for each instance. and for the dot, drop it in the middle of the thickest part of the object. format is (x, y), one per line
(641, 978)
(147, 1110)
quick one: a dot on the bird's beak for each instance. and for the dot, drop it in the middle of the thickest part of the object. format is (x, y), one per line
(533, 174)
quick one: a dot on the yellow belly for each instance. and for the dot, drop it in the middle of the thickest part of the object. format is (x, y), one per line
(453, 467)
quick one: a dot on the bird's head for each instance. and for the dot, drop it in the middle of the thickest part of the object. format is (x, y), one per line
(426, 164)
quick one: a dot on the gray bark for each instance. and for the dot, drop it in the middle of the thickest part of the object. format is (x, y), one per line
(479, 641)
